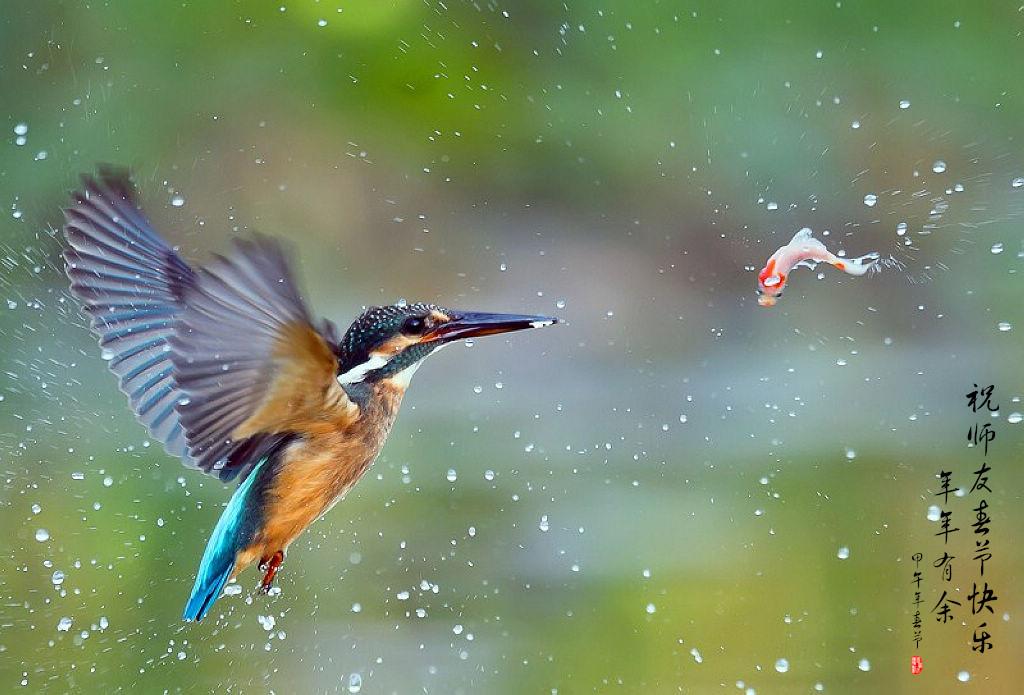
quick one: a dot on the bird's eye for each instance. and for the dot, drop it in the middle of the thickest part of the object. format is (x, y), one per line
(414, 325)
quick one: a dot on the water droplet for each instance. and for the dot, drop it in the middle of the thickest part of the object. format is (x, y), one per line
(901, 229)
(651, 609)
(57, 578)
(355, 683)
(683, 418)
(963, 676)
(322, 23)
(488, 474)
(939, 166)
(904, 104)
(402, 595)
(1004, 326)
(1014, 418)
(695, 653)
(452, 475)
(851, 454)
(357, 607)
(997, 248)
(772, 206)
(478, 389)
(864, 665)
(36, 509)
(560, 304)
(934, 513)
(544, 525)
(42, 535)
(108, 481)
(21, 129)
(1018, 182)
(855, 125)
(64, 625)
(782, 665)
(177, 201)
(843, 553)
(870, 199)
(503, 267)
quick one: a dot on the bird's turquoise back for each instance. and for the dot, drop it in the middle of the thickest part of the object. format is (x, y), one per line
(229, 536)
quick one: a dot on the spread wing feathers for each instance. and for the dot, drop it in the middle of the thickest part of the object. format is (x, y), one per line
(247, 357)
(130, 282)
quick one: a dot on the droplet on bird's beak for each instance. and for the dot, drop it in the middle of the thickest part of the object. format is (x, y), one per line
(472, 324)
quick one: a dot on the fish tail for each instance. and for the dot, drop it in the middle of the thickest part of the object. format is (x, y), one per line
(860, 265)
(219, 557)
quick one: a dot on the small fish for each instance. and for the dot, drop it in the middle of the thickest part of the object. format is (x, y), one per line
(804, 250)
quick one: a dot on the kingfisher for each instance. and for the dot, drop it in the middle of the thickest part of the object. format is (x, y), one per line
(224, 365)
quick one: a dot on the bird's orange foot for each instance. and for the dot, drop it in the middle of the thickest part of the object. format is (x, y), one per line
(270, 565)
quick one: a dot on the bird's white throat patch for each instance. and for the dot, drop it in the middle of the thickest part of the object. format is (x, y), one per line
(401, 379)
(378, 360)
(359, 372)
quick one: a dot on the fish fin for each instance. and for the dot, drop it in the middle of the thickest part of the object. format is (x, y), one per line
(227, 539)
(130, 283)
(803, 235)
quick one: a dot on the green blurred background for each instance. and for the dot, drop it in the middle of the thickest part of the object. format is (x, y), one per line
(677, 490)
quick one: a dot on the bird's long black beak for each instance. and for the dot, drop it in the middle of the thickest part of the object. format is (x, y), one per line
(472, 324)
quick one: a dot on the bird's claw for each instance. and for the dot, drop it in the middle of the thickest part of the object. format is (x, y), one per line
(270, 566)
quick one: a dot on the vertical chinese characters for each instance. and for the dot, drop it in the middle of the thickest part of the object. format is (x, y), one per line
(980, 399)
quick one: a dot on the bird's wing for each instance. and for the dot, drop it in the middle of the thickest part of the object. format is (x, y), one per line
(130, 282)
(248, 360)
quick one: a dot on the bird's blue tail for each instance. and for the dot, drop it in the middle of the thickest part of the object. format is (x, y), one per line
(219, 557)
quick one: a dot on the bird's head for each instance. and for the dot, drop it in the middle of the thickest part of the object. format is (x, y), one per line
(390, 342)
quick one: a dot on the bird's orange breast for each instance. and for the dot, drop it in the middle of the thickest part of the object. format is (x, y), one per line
(315, 472)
